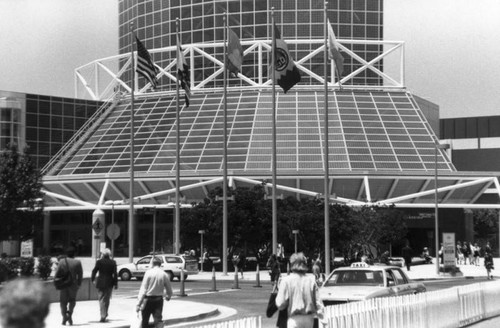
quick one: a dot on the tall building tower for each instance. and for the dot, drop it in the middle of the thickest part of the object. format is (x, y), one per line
(201, 21)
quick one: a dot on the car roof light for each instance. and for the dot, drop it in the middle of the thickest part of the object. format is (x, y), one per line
(360, 265)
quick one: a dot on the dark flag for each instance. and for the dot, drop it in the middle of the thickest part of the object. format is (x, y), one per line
(183, 72)
(145, 65)
(286, 74)
(234, 52)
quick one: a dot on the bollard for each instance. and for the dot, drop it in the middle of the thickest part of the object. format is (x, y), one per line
(181, 292)
(288, 268)
(257, 277)
(235, 285)
(214, 288)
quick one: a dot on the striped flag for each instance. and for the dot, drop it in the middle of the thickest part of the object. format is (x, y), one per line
(234, 52)
(183, 72)
(333, 51)
(145, 65)
(286, 74)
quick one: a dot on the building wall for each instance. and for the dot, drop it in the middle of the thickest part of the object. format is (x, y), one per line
(201, 21)
(52, 121)
(475, 142)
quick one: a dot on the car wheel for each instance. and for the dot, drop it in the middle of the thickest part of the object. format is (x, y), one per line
(170, 275)
(185, 277)
(125, 275)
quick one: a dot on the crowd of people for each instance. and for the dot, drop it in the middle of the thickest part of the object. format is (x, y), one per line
(470, 253)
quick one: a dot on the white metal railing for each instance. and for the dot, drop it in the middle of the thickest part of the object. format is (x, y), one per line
(101, 78)
(248, 322)
(449, 308)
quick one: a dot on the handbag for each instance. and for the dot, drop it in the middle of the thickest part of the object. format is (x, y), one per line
(271, 304)
(65, 279)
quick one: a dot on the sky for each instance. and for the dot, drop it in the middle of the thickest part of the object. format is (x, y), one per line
(43, 41)
(452, 50)
(451, 47)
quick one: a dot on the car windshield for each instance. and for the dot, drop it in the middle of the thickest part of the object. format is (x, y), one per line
(356, 277)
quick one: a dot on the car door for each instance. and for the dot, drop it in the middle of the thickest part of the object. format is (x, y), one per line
(143, 265)
(401, 286)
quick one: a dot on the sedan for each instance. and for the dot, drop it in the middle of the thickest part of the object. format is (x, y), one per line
(361, 281)
(172, 264)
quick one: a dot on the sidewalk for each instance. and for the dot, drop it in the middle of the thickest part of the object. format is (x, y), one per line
(122, 310)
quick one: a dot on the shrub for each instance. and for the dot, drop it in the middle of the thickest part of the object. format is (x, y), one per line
(44, 266)
(10, 267)
(26, 266)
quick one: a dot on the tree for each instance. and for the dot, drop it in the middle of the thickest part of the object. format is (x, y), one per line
(250, 223)
(485, 224)
(20, 187)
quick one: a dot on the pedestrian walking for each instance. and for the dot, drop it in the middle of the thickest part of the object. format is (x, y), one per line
(274, 269)
(105, 277)
(407, 253)
(316, 270)
(476, 252)
(67, 295)
(298, 293)
(460, 254)
(241, 262)
(155, 286)
(488, 264)
(24, 303)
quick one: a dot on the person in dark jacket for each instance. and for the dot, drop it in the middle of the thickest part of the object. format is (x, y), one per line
(105, 281)
(67, 296)
(274, 268)
(407, 253)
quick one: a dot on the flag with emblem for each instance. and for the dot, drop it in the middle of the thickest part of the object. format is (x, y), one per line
(145, 65)
(183, 72)
(286, 74)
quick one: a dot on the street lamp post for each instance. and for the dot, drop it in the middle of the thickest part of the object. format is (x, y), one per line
(295, 232)
(436, 209)
(201, 232)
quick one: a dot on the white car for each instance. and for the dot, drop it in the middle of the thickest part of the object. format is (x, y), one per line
(361, 281)
(172, 264)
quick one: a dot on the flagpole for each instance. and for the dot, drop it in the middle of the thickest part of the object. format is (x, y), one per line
(224, 184)
(326, 158)
(178, 157)
(131, 186)
(273, 164)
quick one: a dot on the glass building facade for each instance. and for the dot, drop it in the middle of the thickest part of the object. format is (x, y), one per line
(42, 123)
(11, 123)
(201, 21)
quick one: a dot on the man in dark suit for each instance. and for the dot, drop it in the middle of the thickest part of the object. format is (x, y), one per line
(106, 280)
(67, 296)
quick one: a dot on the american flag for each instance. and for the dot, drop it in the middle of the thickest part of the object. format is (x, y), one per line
(145, 65)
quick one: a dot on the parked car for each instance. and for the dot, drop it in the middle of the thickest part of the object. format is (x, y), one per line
(361, 281)
(172, 264)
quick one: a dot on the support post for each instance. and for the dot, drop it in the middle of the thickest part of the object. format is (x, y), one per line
(257, 276)
(235, 284)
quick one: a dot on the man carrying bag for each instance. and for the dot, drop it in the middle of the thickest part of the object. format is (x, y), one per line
(68, 278)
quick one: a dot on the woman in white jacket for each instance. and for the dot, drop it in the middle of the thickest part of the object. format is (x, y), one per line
(298, 293)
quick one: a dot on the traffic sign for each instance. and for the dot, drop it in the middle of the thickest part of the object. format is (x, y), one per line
(113, 231)
(97, 226)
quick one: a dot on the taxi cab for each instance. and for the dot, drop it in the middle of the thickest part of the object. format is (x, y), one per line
(361, 281)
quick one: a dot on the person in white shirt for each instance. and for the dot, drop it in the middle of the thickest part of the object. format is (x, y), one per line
(155, 285)
(298, 293)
